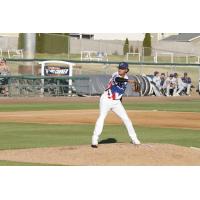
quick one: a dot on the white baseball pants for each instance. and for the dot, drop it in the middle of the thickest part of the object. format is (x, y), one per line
(183, 86)
(116, 106)
(168, 90)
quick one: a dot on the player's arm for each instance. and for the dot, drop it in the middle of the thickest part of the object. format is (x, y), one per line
(122, 80)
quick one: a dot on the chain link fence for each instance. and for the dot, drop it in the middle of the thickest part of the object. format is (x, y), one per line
(25, 76)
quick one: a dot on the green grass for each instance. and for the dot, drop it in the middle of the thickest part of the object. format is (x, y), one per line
(179, 106)
(182, 106)
(178, 59)
(46, 106)
(20, 135)
(13, 163)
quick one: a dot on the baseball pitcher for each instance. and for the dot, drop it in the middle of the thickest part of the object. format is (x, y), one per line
(111, 100)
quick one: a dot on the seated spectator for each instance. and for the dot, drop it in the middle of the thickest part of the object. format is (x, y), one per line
(162, 78)
(4, 71)
(186, 83)
(170, 85)
(179, 84)
(157, 80)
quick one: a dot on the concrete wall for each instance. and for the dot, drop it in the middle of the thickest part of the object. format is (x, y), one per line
(178, 48)
(8, 42)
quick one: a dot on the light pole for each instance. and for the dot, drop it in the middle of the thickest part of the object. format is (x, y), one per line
(29, 48)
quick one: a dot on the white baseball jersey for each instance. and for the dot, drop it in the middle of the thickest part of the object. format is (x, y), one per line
(115, 89)
(169, 81)
(157, 81)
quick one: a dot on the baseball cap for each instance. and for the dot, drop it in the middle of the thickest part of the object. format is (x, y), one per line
(123, 65)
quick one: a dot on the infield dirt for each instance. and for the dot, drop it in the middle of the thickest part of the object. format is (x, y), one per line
(138, 117)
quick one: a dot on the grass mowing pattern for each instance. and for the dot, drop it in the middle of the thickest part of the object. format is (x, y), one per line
(20, 135)
(179, 106)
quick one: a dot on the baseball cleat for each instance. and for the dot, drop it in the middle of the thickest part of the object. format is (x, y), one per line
(136, 142)
(94, 146)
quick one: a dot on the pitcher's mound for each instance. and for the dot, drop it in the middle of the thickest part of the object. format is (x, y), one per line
(108, 154)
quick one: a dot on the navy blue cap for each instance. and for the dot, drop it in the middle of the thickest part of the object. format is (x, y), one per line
(123, 65)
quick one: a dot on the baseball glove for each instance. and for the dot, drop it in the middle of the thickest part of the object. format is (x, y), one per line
(136, 86)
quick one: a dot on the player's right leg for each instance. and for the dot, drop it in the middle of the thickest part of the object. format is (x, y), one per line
(104, 109)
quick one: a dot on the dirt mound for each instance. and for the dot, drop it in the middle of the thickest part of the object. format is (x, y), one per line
(107, 154)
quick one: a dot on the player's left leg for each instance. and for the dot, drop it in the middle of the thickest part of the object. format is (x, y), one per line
(121, 112)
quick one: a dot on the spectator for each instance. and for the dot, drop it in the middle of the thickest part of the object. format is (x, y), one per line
(170, 85)
(4, 71)
(162, 78)
(178, 84)
(186, 83)
(157, 80)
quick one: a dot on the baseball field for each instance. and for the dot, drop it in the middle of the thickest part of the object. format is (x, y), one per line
(58, 130)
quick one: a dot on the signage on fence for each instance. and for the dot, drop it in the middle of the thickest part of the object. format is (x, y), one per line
(56, 70)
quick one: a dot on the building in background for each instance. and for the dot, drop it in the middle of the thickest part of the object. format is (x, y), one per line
(8, 41)
(81, 35)
(130, 36)
(119, 36)
(180, 44)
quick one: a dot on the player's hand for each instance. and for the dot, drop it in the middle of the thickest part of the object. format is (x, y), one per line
(136, 87)
(131, 81)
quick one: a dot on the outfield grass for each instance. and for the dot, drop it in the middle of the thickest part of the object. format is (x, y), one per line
(13, 163)
(182, 106)
(20, 135)
(161, 58)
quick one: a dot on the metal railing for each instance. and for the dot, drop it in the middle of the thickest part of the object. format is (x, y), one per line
(106, 62)
(41, 85)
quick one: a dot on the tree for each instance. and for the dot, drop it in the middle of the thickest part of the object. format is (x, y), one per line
(131, 49)
(126, 46)
(147, 44)
(21, 41)
(48, 42)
